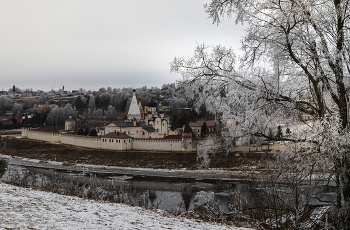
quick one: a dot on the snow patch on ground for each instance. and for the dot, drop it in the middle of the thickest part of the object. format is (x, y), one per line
(24, 208)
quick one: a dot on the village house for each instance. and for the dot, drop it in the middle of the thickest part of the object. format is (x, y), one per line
(197, 127)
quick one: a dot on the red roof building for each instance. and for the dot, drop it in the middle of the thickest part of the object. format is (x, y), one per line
(197, 127)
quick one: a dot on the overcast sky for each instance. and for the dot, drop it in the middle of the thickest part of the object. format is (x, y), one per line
(99, 43)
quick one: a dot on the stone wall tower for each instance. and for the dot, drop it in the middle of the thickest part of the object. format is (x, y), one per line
(25, 126)
(69, 124)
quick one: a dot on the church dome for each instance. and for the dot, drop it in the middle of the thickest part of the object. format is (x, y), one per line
(152, 103)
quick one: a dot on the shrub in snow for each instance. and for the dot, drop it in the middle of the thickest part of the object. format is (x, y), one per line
(206, 208)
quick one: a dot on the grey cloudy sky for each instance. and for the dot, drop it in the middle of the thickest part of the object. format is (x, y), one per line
(99, 43)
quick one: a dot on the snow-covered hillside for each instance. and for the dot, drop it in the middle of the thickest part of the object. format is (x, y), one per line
(23, 208)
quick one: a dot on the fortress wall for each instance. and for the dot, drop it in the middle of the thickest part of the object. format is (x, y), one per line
(44, 136)
(83, 141)
(150, 144)
(245, 148)
(25, 132)
(156, 144)
(116, 144)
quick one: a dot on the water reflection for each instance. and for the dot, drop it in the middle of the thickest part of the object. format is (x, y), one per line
(162, 194)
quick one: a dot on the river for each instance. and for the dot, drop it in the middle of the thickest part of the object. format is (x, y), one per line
(163, 193)
(163, 189)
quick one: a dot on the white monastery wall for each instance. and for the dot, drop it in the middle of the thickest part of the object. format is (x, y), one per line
(25, 132)
(44, 136)
(116, 144)
(156, 144)
(83, 141)
(151, 144)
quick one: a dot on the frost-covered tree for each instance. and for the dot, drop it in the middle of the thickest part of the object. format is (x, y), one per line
(44, 98)
(80, 103)
(34, 109)
(103, 101)
(178, 103)
(68, 110)
(58, 115)
(119, 101)
(295, 64)
(111, 113)
(5, 103)
(17, 108)
(206, 150)
(53, 117)
(102, 90)
(91, 105)
(97, 113)
(3, 161)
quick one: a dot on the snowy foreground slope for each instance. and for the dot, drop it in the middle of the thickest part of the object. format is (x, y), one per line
(23, 208)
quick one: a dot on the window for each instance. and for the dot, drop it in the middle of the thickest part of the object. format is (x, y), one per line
(129, 140)
(124, 141)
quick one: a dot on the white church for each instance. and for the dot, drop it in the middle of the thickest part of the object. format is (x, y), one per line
(141, 123)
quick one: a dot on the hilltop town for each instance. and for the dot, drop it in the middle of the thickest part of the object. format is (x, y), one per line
(152, 119)
(116, 119)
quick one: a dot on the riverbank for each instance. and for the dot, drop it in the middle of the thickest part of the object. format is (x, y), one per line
(71, 155)
(24, 208)
(174, 175)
